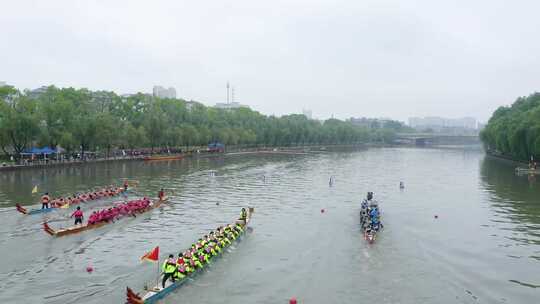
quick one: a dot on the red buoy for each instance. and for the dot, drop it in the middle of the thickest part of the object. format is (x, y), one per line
(292, 301)
(89, 269)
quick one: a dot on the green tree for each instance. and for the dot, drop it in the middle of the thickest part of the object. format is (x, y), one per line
(20, 125)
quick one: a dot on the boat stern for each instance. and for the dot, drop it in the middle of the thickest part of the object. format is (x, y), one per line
(48, 229)
(21, 209)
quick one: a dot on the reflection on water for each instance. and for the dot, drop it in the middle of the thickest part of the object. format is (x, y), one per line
(515, 199)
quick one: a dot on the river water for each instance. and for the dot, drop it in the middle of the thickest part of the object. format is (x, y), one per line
(484, 247)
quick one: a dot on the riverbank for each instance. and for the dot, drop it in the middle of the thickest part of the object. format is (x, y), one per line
(192, 153)
(67, 163)
(505, 157)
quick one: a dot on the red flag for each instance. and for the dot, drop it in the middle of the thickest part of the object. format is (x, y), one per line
(152, 256)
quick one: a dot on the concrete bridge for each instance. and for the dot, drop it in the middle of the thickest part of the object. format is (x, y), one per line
(427, 139)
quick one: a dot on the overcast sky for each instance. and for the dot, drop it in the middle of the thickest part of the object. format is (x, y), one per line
(375, 58)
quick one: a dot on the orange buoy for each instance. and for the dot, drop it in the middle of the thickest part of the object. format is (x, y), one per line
(89, 269)
(292, 301)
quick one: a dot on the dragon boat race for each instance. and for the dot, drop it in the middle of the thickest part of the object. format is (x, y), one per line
(485, 233)
(270, 152)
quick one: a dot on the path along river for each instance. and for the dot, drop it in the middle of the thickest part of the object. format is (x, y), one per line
(483, 248)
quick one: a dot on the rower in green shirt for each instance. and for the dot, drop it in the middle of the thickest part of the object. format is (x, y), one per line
(243, 214)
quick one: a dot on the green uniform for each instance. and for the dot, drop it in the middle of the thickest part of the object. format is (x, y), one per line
(168, 267)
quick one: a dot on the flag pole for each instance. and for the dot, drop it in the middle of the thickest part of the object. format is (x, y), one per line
(157, 278)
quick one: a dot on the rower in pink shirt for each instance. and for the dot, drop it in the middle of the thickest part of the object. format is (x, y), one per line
(78, 214)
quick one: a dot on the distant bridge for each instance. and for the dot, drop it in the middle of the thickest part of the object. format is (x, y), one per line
(426, 139)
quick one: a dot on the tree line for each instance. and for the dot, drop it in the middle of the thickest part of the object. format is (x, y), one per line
(81, 120)
(515, 130)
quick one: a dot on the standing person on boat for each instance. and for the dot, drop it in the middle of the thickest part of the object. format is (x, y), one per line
(126, 185)
(78, 215)
(161, 194)
(45, 199)
(169, 270)
(369, 196)
(243, 214)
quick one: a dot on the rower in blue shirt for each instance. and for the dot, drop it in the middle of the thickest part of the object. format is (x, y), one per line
(374, 213)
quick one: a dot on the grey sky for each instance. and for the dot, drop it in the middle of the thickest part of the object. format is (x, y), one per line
(373, 58)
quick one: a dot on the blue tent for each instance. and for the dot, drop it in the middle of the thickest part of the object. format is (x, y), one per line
(44, 150)
(47, 150)
(216, 145)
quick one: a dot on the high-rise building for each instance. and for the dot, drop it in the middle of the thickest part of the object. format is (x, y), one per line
(161, 92)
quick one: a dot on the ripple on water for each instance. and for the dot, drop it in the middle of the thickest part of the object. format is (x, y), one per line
(293, 249)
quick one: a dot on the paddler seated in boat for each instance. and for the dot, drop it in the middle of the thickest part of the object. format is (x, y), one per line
(215, 241)
(233, 231)
(161, 194)
(54, 204)
(210, 249)
(368, 229)
(239, 228)
(186, 258)
(195, 261)
(94, 218)
(169, 270)
(203, 258)
(375, 226)
(366, 223)
(363, 214)
(57, 203)
(243, 214)
(78, 215)
(205, 241)
(364, 204)
(374, 213)
(180, 267)
(45, 199)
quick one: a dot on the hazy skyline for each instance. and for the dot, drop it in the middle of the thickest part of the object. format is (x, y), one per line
(392, 59)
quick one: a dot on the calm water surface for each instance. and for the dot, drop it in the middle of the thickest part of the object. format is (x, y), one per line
(483, 248)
